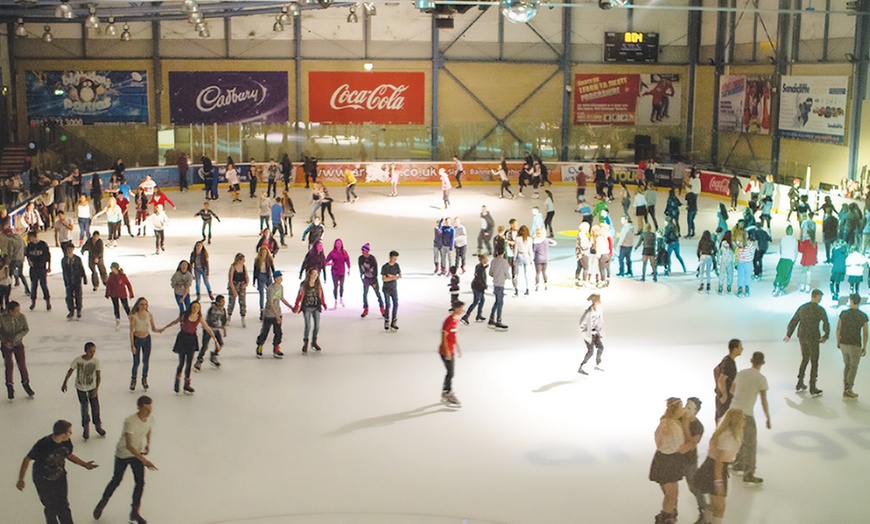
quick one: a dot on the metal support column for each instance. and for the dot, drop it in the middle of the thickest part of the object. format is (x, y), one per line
(157, 81)
(719, 59)
(11, 131)
(437, 63)
(297, 57)
(827, 31)
(367, 35)
(84, 40)
(796, 32)
(228, 34)
(694, 42)
(860, 70)
(567, 83)
(783, 55)
(501, 38)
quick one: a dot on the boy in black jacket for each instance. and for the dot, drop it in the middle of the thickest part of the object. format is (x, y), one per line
(73, 276)
(478, 287)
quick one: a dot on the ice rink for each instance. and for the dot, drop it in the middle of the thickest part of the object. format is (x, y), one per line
(357, 434)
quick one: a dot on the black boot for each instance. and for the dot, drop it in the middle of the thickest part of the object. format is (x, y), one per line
(314, 345)
(177, 383)
(135, 517)
(10, 391)
(305, 345)
(98, 511)
(26, 387)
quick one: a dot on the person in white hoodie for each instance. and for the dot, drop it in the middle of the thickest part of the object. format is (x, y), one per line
(523, 256)
(592, 331)
(856, 262)
(159, 219)
(788, 251)
(460, 242)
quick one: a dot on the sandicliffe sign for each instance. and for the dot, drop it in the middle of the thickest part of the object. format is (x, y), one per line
(233, 97)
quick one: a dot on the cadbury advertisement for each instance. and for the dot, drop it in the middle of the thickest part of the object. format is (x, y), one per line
(229, 97)
(366, 98)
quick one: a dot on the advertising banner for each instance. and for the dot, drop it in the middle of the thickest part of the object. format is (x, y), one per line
(228, 97)
(605, 99)
(715, 183)
(744, 104)
(366, 98)
(87, 97)
(660, 100)
(813, 108)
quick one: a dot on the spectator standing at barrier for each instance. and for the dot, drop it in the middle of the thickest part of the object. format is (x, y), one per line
(458, 171)
(286, 171)
(183, 165)
(254, 174)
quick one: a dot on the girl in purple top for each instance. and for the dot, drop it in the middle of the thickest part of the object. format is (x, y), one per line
(340, 262)
(314, 259)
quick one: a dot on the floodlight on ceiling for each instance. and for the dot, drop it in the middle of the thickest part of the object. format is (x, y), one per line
(427, 6)
(190, 6)
(205, 33)
(20, 30)
(194, 17)
(284, 17)
(351, 17)
(324, 3)
(92, 21)
(607, 4)
(294, 9)
(46, 35)
(199, 26)
(125, 34)
(277, 26)
(64, 11)
(370, 9)
(111, 30)
(519, 11)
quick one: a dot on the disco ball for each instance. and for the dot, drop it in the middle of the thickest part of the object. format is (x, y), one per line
(519, 11)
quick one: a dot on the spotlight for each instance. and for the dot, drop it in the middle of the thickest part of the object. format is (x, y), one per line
(277, 26)
(607, 4)
(111, 30)
(368, 66)
(519, 11)
(324, 3)
(849, 57)
(92, 21)
(199, 26)
(195, 17)
(125, 34)
(190, 6)
(427, 6)
(284, 17)
(64, 11)
(46, 35)
(294, 9)
(352, 18)
(205, 33)
(370, 9)
(20, 30)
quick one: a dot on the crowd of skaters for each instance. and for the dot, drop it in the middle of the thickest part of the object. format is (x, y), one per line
(513, 249)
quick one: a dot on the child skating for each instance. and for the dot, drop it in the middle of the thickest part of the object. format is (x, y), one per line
(87, 370)
(449, 350)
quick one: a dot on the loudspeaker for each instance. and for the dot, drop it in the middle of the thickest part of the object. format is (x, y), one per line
(444, 22)
(642, 147)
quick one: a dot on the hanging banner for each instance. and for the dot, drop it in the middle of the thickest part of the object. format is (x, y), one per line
(813, 108)
(660, 100)
(87, 97)
(366, 98)
(744, 104)
(228, 97)
(605, 99)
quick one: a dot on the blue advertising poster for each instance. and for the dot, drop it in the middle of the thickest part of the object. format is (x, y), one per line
(87, 97)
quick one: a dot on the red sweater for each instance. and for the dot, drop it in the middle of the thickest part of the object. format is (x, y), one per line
(118, 286)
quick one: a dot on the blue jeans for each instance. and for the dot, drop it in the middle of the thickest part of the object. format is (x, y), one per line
(690, 220)
(391, 296)
(479, 299)
(495, 313)
(674, 247)
(183, 302)
(706, 269)
(84, 228)
(744, 274)
(373, 283)
(263, 282)
(625, 260)
(143, 352)
(199, 273)
(310, 313)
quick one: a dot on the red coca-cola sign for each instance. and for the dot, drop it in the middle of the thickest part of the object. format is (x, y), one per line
(715, 183)
(366, 98)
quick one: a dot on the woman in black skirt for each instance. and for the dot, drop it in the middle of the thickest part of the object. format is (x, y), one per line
(186, 343)
(668, 463)
(712, 476)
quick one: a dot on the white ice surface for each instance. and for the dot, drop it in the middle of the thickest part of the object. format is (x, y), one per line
(357, 434)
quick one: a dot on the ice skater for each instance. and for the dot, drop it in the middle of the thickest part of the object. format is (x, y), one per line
(390, 274)
(272, 317)
(500, 273)
(806, 320)
(852, 341)
(592, 331)
(478, 288)
(73, 277)
(449, 349)
(216, 318)
(368, 273)
(445, 187)
(310, 301)
(207, 215)
(187, 344)
(339, 261)
(88, 378)
(749, 385)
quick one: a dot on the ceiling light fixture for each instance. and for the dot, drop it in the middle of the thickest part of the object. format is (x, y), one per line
(195, 17)
(46, 35)
(190, 6)
(294, 9)
(205, 33)
(352, 18)
(284, 17)
(427, 6)
(199, 26)
(64, 11)
(370, 9)
(277, 27)
(20, 30)
(125, 34)
(607, 4)
(111, 30)
(324, 3)
(519, 11)
(92, 21)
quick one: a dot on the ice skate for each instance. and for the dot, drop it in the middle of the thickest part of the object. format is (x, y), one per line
(815, 393)
(581, 370)
(364, 313)
(393, 326)
(450, 399)
(243, 322)
(198, 365)
(277, 352)
(133, 384)
(145, 383)
(213, 358)
(259, 351)
(26, 387)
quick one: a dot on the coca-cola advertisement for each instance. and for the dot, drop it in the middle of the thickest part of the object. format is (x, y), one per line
(715, 183)
(229, 97)
(366, 98)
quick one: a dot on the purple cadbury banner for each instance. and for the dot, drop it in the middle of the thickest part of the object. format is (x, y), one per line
(234, 97)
